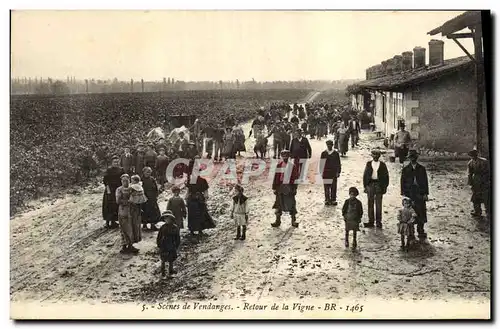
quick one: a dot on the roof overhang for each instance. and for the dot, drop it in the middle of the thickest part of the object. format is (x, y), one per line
(469, 19)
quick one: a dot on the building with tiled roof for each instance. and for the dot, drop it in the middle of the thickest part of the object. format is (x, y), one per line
(436, 100)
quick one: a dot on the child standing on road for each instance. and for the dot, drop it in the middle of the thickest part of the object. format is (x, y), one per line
(352, 211)
(177, 206)
(168, 241)
(239, 212)
(406, 219)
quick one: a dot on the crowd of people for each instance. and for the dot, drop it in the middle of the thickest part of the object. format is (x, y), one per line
(134, 181)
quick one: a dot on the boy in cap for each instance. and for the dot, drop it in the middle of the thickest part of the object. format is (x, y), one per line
(414, 185)
(177, 207)
(161, 167)
(331, 168)
(479, 180)
(352, 211)
(168, 241)
(375, 182)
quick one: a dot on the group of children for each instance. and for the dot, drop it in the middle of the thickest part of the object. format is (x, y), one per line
(168, 239)
(352, 211)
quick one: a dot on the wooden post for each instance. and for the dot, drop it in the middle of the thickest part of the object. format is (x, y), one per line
(87, 86)
(131, 85)
(478, 52)
(142, 85)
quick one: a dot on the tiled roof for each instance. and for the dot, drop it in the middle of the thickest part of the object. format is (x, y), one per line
(404, 79)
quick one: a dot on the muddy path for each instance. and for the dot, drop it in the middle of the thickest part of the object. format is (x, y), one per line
(60, 251)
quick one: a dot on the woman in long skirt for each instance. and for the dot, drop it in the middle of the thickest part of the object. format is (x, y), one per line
(150, 210)
(129, 217)
(198, 217)
(239, 140)
(228, 149)
(111, 181)
(343, 139)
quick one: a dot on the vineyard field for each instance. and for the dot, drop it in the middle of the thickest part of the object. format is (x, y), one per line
(49, 134)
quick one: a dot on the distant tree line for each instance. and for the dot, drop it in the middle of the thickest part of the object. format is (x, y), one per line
(49, 86)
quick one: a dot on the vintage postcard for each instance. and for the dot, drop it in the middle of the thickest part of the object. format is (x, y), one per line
(250, 165)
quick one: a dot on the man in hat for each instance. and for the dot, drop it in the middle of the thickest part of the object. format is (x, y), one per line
(479, 180)
(181, 144)
(127, 161)
(191, 150)
(150, 158)
(197, 130)
(375, 182)
(258, 127)
(278, 132)
(139, 159)
(161, 166)
(300, 149)
(285, 189)
(354, 130)
(402, 140)
(414, 185)
(287, 136)
(330, 161)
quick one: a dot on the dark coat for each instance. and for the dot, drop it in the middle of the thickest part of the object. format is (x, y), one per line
(302, 149)
(112, 179)
(168, 241)
(353, 129)
(359, 208)
(127, 162)
(382, 173)
(151, 211)
(332, 164)
(279, 177)
(408, 176)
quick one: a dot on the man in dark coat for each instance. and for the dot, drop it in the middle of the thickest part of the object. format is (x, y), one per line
(300, 149)
(127, 161)
(285, 188)
(278, 132)
(479, 180)
(375, 182)
(414, 185)
(287, 126)
(330, 161)
(354, 131)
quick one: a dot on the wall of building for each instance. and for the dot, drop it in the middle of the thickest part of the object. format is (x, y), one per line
(378, 112)
(446, 112)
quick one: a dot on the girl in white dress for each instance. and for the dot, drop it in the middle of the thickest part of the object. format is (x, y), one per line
(239, 212)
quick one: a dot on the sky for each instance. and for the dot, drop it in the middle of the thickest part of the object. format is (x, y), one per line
(217, 45)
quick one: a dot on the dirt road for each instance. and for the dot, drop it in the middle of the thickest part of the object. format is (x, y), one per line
(60, 250)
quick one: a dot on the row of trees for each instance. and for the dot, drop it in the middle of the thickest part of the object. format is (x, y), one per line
(49, 86)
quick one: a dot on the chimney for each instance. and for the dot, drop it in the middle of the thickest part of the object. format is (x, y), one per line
(436, 52)
(372, 72)
(398, 63)
(407, 60)
(376, 68)
(418, 57)
(390, 66)
(381, 70)
(368, 74)
(384, 67)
